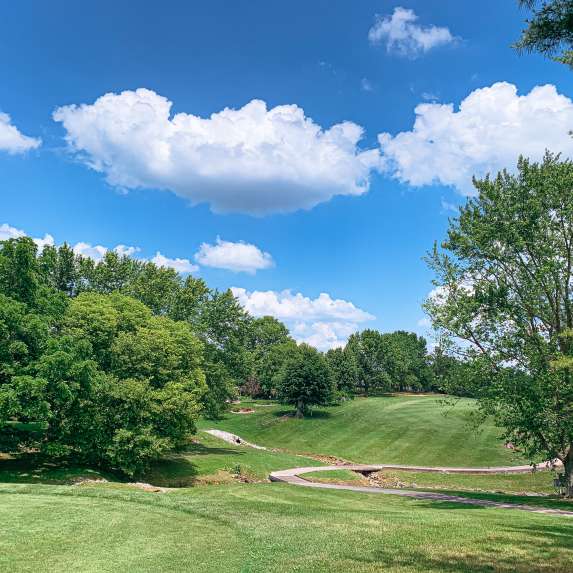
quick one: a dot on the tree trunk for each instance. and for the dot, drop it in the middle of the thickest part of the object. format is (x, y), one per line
(299, 408)
(568, 473)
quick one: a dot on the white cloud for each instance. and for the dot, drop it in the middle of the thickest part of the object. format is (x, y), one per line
(237, 257)
(323, 322)
(8, 232)
(403, 36)
(325, 335)
(46, 241)
(366, 85)
(126, 250)
(180, 265)
(491, 128)
(251, 160)
(447, 206)
(95, 252)
(285, 305)
(429, 96)
(12, 140)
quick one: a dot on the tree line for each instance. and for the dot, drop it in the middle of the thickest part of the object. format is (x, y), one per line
(112, 362)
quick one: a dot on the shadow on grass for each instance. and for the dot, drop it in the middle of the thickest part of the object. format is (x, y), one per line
(505, 549)
(313, 414)
(177, 470)
(32, 469)
(541, 501)
(199, 449)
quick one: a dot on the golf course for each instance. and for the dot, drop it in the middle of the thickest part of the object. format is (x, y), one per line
(211, 507)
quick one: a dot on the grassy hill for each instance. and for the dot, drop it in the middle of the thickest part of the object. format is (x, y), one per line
(267, 528)
(256, 527)
(415, 430)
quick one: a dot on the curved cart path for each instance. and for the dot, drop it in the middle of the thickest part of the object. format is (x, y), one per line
(292, 476)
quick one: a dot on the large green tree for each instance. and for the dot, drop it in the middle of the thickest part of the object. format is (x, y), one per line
(344, 368)
(504, 298)
(367, 347)
(405, 361)
(306, 380)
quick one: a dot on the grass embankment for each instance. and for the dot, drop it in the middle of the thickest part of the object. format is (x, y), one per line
(205, 461)
(270, 528)
(413, 430)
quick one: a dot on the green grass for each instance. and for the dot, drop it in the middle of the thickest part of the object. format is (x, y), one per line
(540, 482)
(211, 460)
(267, 528)
(206, 460)
(263, 527)
(414, 430)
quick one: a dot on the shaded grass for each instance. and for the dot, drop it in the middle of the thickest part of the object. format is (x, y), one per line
(414, 430)
(206, 460)
(211, 460)
(267, 527)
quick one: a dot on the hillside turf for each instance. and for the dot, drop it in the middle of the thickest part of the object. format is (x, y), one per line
(412, 430)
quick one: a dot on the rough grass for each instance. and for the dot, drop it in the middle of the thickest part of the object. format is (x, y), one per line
(267, 528)
(539, 482)
(414, 430)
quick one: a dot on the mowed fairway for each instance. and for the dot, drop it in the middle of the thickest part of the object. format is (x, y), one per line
(413, 430)
(267, 527)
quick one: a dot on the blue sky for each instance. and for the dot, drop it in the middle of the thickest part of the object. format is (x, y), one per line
(379, 203)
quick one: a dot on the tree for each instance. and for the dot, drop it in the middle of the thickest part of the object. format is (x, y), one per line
(19, 270)
(404, 361)
(306, 380)
(60, 268)
(268, 344)
(550, 30)
(344, 369)
(224, 329)
(367, 347)
(504, 297)
(269, 365)
(157, 287)
(123, 386)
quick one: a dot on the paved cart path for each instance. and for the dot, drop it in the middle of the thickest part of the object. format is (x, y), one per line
(292, 476)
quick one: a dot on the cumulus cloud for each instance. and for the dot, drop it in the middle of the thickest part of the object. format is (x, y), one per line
(180, 265)
(236, 257)
(402, 35)
(8, 232)
(487, 133)
(324, 335)
(45, 241)
(251, 160)
(323, 322)
(95, 252)
(126, 250)
(12, 140)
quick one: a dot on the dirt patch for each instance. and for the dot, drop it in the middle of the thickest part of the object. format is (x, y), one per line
(89, 481)
(380, 479)
(149, 487)
(243, 411)
(328, 460)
